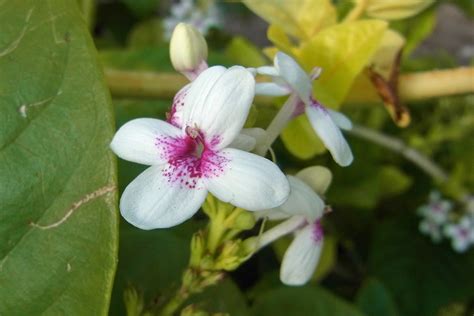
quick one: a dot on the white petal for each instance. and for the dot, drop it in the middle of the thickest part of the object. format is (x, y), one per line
(249, 138)
(250, 182)
(301, 257)
(271, 89)
(139, 140)
(151, 201)
(268, 71)
(330, 134)
(176, 113)
(218, 103)
(244, 142)
(342, 121)
(273, 214)
(302, 201)
(294, 75)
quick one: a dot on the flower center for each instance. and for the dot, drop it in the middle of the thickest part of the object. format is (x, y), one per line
(199, 144)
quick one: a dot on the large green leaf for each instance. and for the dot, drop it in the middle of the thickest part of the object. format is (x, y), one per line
(302, 301)
(58, 219)
(421, 275)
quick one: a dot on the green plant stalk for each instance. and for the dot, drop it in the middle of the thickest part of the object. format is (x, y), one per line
(412, 86)
(398, 146)
(217, 229)
(178, 299)
(357, 11)
(278, 123)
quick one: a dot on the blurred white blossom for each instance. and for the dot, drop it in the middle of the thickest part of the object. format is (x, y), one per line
(188, 11)
(441, 220)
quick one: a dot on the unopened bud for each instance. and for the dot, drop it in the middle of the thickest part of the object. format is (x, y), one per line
(188, 50)
(197, 249)
(244, 221)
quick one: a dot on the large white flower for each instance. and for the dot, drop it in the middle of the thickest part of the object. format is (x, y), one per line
(303, 210)
(289, 77)
(191, 157)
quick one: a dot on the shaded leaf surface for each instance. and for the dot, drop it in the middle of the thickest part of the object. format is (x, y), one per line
(421, 275)
(58, 219)
(302, 301)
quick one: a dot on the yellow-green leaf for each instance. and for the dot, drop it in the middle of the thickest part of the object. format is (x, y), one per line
(299, 18)
(243, 52)
(342, 52)
(301, 140)
(384, 58)
(396, 9)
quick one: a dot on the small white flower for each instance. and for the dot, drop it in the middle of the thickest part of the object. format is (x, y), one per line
(187, 11)
(289, 77)
(461, 234)
(437, 209)
(190, 155)
(432, 229)
(303, 210)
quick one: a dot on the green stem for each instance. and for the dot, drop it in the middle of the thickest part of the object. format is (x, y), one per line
(216, 230)
(278, 124)
(174, 304)
(357, 11)
(398, 146)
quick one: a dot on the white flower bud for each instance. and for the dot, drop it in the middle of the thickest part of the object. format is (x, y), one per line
(188, 50)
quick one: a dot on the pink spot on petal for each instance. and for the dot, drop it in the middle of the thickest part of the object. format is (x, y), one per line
(175, 115)
(317, 231)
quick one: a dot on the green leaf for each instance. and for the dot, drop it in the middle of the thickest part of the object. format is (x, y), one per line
(58, 219)
(148, 33)
(302, 301)
(375, 300)
(141, 8)
(299, 18)
(225, 297)
(243, 52)
(422, 276)
(362, 187)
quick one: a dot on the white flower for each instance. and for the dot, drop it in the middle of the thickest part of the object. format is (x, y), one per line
(304, 209)
(289, 77)
(432, 229)
(190, 156)
(186, 11)
(461, 234)
(437, 209)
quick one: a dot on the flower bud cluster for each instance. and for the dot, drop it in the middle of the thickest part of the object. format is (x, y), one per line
(441, 221)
